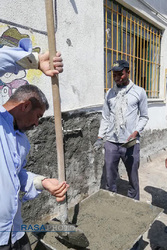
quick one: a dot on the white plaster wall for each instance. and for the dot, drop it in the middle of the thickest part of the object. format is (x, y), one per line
(160, 6)
(157, 117)
(79, 37)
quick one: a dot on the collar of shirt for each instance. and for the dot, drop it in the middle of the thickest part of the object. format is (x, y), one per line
(10, 120)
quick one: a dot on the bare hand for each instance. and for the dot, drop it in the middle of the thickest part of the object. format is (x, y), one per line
(44, 64)
(55, 188)
(133, 135)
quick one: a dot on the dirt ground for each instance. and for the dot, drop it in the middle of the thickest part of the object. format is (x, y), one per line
(153, 184)
(153, 191)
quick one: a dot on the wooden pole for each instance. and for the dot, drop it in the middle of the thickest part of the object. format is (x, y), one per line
(56, 101)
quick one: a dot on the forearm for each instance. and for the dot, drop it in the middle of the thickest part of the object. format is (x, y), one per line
(103, 128)
(141, 124)
(104, 124)
(13, 59)
(143, 112)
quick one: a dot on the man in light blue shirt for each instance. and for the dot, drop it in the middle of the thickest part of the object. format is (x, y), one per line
(124, 116)
(20, 113)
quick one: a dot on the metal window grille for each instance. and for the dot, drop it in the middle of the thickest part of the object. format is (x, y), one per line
(127, 36)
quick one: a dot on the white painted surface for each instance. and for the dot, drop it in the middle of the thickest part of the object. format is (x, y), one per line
(157, 116)
(79, 37)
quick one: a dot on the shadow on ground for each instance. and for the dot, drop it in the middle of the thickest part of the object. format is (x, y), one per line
(157, 233)
(159, 197)
(122, 187)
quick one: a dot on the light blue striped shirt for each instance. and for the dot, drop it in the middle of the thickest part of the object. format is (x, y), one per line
(11, 57)
(14, 147)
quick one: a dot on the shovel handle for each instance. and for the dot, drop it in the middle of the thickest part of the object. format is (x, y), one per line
(56, 104)
(55, 90)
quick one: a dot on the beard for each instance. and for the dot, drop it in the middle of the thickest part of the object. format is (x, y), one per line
(119, 86)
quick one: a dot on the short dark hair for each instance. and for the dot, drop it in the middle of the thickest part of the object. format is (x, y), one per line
(32, 93)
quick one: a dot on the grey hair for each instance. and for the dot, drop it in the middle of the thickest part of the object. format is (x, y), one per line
(32, 93)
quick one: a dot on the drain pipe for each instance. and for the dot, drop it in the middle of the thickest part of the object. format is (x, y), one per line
(156, 12)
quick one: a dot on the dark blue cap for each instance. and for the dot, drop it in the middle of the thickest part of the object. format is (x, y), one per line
(119, 65)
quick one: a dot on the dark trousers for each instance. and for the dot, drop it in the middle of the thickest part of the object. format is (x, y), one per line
(22, 244)
(131, 159)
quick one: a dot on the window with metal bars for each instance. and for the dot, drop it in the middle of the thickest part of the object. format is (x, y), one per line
(128, 36)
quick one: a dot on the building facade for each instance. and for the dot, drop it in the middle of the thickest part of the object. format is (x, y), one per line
(91, 35)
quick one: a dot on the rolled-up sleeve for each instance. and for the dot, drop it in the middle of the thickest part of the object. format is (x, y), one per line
(14, 59)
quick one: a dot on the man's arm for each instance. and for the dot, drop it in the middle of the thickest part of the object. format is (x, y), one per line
(33, 184)
(52, 185)
(103, 124)
(14, 59)
(143, 112)
(105, 118)
(143, 115)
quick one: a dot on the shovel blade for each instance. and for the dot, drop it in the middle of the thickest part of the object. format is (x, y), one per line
(75, 237)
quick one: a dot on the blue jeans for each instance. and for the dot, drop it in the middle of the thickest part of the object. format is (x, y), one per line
(131, 159)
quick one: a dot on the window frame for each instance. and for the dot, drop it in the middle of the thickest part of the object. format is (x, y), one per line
(142, 35)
